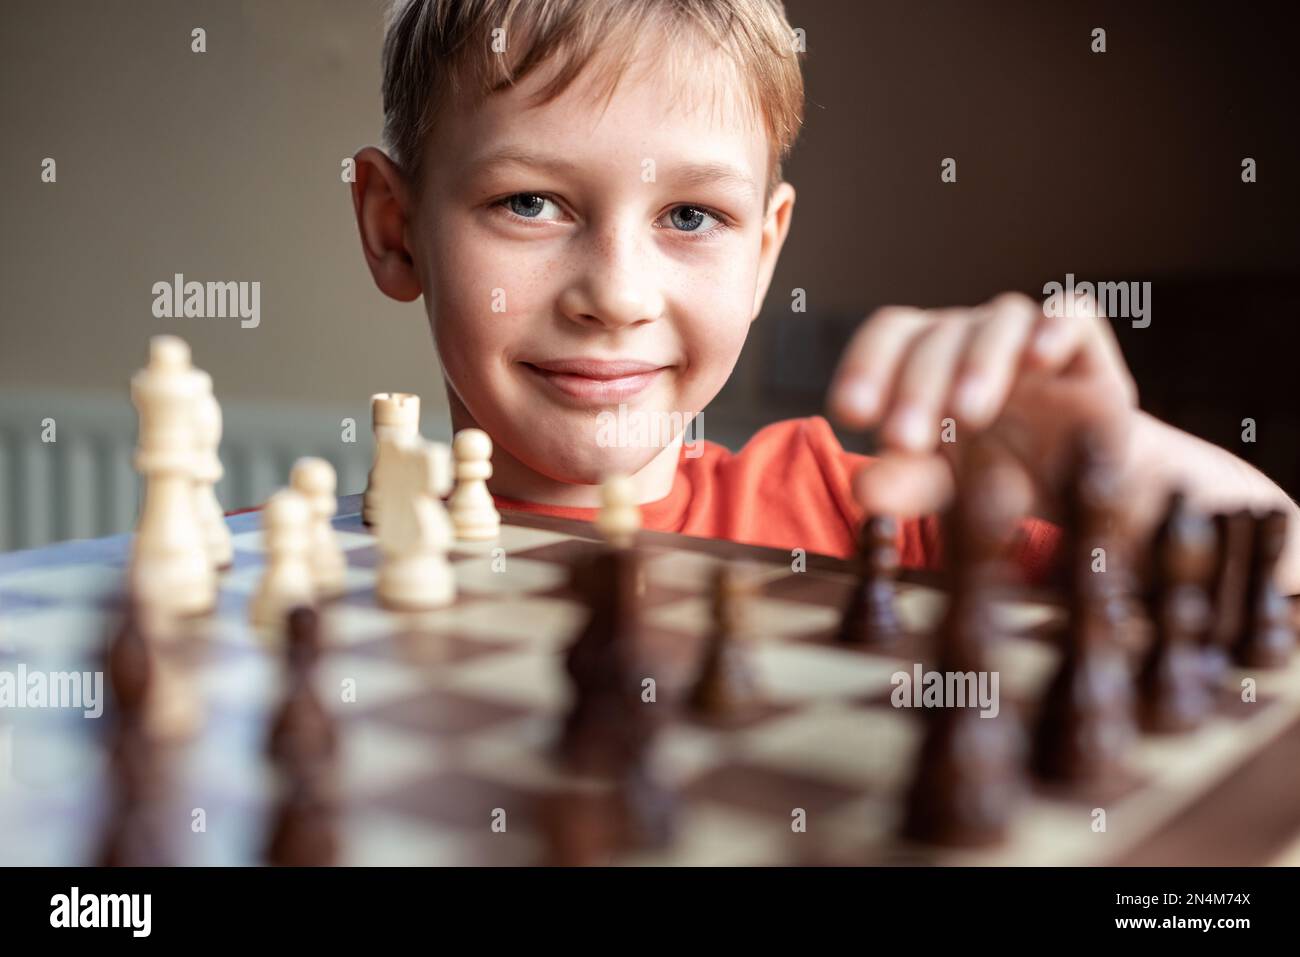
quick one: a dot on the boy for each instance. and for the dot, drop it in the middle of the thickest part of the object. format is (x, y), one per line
(588, 195)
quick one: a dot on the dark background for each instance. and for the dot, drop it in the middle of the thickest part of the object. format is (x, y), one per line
(1117, 166)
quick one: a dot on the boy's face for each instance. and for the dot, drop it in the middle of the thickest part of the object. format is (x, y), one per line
(577, 257)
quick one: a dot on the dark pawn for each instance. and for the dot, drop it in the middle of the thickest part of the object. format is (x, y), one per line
(870, 619)
(1171, 691)
(1228, 593)
(129, 663)
(581, 829)
(1268, 634)
(726, 685)
(1085, 719)
(305, 832)
(134, 839)
(304, 644)
(302, 732)
(649, 810)
(607, 727)
(967, 775)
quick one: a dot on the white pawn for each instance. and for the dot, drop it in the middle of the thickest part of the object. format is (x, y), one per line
(315, 480)
(414, 530)
(393, 415)
(286, 582)
(619, 518)
(473, 513)
(208, 472)
(170, 572)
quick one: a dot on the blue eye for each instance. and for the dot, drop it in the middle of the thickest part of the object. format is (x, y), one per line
(529, 205)
(688, 218)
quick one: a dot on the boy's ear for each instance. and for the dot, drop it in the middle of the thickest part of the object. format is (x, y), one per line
(776, 225)
(381, 201)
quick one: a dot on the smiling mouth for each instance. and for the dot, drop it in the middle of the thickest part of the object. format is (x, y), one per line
(595, 381)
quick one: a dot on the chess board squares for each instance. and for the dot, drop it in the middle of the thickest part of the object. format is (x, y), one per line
(768, 618)
(488, 575)
(526, 678)
(862, 748)
(798, 672)
(255, 542)
(537, 621)
(66, 629)
(376, 838)
(347, 684)
(438, 711)
(717, 835)
(693, 572)
(79, 584)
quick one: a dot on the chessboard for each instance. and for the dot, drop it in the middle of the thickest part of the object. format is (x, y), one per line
(448, 720)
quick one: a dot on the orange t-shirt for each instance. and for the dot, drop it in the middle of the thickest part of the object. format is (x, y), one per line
(790, 487)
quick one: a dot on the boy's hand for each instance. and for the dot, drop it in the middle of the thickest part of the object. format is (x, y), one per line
(1027, 380)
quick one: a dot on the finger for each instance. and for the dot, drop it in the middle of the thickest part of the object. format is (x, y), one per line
(866, 371)
(924, 383)
(992, 359)
(904, 485)
(1082, 335)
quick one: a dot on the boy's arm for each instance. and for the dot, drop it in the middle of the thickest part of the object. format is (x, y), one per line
(1163, 458)
(1029, 382)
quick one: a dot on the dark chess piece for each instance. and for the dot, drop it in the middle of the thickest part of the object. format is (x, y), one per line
(1234, 532)
(607, 725)
(967, 776)
(581, 829)
(1171, 691)
(129, 663)
(1085, 719)
(870, 619)
(1268, 633)
(649, 810)
(302, 732)
(727, 685)
(304, 832)
(133, 838)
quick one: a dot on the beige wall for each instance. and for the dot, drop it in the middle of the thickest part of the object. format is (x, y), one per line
(222, 165)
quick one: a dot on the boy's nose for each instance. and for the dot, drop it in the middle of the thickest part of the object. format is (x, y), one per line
(616, 291)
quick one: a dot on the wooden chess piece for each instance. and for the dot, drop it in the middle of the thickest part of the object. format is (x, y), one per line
(394, 415)
(207, 473)
(870, 619)
(315, 480)
(607, 725)
(1268, 632)
(170, 569)
(726, 685)
(1171, 691)
(1234, 532)
(302, 732)
(473, 513)
(967, 778)
(414, 530)
(304, 831)
(287, 579)
(1085, 719)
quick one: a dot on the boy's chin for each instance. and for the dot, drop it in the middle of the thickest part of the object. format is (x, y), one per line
(592, 465)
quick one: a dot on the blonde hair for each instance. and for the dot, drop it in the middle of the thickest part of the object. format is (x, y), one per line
(437, 51)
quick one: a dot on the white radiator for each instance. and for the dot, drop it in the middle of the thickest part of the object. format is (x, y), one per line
(82, 484)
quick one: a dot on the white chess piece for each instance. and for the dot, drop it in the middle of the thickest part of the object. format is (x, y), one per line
(315, 480)
(473, 513)
(286, 581)
(208, 472)
(393, 415)
(414, 528)
(170, 569)
(619, 518)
